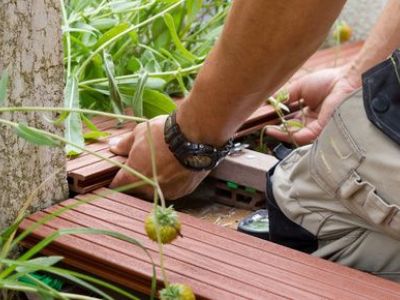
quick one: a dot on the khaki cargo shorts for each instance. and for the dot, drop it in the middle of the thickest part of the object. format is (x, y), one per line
(344, 190)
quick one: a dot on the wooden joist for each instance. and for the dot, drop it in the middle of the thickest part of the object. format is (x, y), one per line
(87, 172)
(219, 263)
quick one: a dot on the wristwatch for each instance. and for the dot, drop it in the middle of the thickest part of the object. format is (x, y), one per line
(193, 156)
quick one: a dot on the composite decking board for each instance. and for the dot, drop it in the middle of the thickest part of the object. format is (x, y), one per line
(96, 169)
(221, 256)
(221, 251)
(118, 266)
(181, 249)
(122, 250)
(195, 232)
(277, 287)
(83, 161)
(296, 265)
(172, 265)
(259, 246)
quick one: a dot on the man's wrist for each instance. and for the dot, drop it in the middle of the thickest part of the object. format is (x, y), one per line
(192, 155)
(352, 74)
(198, 128)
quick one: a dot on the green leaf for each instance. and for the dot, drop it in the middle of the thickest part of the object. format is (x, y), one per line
(73, 123)
(134, 65)
(95, 135)
(89, 124)
(161, 37)
(169, 21)
(35, 137)
(295, 123)
(104, 24)
(115, 94)
(75, 277)
(111, 34)
(137, 101)
(39, 262)
(193, 7)
(8, 231)
(156, 103)
(282, 95)
(151, 83)
(61, 119)
(3, 86)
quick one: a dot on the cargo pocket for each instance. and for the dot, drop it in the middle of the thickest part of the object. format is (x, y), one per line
(361, 198)
(334, 156)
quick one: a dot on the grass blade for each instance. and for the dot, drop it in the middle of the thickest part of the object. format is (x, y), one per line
(73, 123)
(169, 21)
(3, 86)
(137, 101)
(115, 94)
(35, 137)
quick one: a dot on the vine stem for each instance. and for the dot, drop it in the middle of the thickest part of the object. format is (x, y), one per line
(63, 109)
(64, 141)
(157, 193)
(287, 129)
(160, 245)
(33, 290)
(150, 140)
(68, 37)
(134, 76)
(126, 31)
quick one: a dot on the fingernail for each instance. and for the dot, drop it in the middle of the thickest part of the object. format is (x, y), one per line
(114, 141)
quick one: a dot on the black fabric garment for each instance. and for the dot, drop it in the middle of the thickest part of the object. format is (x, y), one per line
(282, 230)
(381, 87)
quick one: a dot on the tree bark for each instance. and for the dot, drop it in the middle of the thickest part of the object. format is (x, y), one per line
(31, 50)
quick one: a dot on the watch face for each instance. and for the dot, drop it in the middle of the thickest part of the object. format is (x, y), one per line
(198, 161)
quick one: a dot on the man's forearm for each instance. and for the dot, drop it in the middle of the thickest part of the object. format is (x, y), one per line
(263, 43)
(383, 39)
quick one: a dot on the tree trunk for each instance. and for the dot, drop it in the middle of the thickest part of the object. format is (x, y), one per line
(31, 50)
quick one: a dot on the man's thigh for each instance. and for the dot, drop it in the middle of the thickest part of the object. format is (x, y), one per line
(365, 250)
(344, 190)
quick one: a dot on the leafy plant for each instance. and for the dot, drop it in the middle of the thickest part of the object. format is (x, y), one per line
(134, 53)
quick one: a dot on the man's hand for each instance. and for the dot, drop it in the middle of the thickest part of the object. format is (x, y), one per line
(321, 92)
(175, 180)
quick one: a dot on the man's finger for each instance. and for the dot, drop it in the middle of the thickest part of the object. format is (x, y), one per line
(295, 90)
(131, 185)
(122, 145)
(303, 136)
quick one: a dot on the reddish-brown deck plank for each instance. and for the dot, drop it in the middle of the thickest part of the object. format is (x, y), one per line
(105, 261)
(280, 256)
(180, 260)
(222, 251)
(231, 265)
